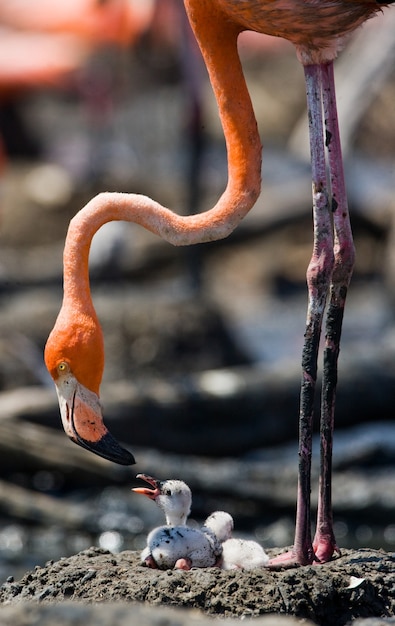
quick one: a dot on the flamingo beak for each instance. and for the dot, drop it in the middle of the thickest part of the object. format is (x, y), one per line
(82, 421)
(152, 494)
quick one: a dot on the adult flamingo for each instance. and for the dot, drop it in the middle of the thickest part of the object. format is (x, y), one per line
(74, 352)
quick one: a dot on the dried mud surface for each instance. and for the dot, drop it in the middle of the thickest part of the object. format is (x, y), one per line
(358, 584)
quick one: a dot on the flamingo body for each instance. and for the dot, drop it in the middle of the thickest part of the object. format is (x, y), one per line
(311, 25)
(318, 29)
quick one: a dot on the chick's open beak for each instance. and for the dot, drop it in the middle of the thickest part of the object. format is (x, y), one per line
(150, 493)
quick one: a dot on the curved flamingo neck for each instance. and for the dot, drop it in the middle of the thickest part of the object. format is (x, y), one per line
(218, 42)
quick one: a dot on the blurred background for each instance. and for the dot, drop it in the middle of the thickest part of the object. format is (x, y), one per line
(203, 345)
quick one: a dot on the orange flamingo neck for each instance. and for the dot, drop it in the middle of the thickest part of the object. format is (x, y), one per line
(77, 336)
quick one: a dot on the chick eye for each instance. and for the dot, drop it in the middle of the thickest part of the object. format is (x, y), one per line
(63, 367)
(167, 492)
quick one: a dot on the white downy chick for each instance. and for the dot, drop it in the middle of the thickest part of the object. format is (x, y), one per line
(176, 545)
(236, 553)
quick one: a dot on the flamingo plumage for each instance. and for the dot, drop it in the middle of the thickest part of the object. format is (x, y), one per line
(74, 355)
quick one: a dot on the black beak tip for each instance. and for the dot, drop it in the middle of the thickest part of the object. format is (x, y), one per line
(108, 448)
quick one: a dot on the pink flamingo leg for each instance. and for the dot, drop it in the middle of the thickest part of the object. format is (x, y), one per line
(324, 541)
(319, 275)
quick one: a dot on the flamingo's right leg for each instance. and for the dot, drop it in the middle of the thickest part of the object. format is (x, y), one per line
(324, 540)
(319, 275)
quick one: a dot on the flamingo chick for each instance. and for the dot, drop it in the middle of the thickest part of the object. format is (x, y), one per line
(236, 553)
(176, 545)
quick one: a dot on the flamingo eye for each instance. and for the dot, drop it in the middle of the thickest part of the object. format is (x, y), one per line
(167, 492)
(63, 367)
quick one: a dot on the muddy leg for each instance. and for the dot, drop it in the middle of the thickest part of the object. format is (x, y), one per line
(324, 540)
(319, 275)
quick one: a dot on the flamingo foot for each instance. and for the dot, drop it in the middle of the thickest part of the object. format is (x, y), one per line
(184, 564)
(293, 558)
(325, 547)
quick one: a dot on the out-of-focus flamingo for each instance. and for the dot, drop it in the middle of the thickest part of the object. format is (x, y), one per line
(32, 60)
(94, 21)
(28, 62)
(40, 47)
(74, 351)
(48, 46)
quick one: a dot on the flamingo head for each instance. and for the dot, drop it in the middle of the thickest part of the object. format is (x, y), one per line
(75, 360)
(172, 496)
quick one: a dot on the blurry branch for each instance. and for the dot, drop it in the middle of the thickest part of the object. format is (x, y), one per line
(266, 476)
(41, 508)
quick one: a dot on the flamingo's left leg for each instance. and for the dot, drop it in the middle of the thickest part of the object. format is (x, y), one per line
(324, 541)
